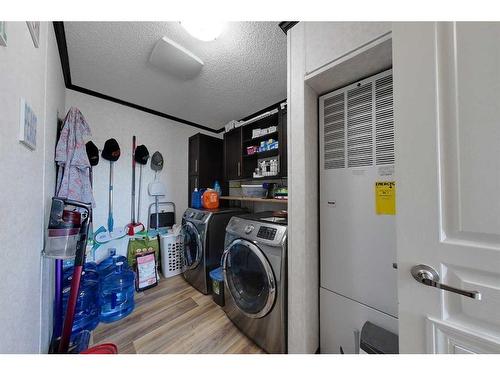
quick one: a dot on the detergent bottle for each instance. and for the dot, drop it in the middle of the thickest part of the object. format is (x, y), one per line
(217, 188)
(210, 199)
(196, 199)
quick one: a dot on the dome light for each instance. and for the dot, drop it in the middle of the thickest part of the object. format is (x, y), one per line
(204, 30)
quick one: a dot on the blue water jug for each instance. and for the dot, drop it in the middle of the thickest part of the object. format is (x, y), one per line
(87, 274)
(117, 294)
(106, 262)
(87, 309)
(107, 266)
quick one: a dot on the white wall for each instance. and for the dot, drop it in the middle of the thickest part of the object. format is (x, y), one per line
(303, 245)
(110, 120)
(34, 74)
(55, 94)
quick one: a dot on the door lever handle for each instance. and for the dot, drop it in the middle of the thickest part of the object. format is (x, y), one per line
(428, 276)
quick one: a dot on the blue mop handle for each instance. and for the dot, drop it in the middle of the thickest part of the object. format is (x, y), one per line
(110, 223)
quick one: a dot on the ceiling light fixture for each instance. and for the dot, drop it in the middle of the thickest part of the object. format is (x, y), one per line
(204, 30)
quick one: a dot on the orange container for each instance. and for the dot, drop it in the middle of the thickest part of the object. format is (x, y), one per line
(210, 199)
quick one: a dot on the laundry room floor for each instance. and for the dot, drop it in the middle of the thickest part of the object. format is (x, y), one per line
(173, 317)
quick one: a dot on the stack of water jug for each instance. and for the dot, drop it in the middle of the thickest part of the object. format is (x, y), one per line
(106, 292)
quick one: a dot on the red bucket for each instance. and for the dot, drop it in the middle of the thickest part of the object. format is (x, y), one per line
(102, 349)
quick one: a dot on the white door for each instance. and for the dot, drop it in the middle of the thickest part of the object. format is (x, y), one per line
(447, 121)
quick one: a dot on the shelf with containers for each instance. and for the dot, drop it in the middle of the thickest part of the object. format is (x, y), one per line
(262, 146)
(251, 199)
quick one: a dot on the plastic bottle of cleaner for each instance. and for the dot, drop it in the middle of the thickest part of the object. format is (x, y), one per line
(217, 188)
(117, 294)
(196, 199)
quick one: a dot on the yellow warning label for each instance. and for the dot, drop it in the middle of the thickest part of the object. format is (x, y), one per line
(385, 198)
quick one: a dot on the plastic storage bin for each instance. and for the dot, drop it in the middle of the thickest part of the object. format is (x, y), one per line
(117, 294)
(217, 276)
(172, 250)
(253, 191)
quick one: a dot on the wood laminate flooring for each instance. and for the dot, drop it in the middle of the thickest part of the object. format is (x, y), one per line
(173, 317)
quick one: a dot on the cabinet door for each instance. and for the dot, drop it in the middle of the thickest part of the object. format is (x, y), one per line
(194, 154)
(328, 41)
(211, 161)
(232, 154)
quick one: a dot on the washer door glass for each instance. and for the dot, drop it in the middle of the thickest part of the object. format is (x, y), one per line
(192, 246)
(249, 278)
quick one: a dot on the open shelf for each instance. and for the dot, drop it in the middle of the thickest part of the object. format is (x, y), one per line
(250, 199)
(263, 154)
(260, 138)
(260, 179)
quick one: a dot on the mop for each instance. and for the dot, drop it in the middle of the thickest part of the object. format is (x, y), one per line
(141, 157)
(110, 152)
(134, 226)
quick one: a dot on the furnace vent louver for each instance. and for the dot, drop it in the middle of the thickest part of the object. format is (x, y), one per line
(334, 132)
(384, 121)
(358, 124)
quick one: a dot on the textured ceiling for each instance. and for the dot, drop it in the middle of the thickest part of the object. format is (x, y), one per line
(244, 71)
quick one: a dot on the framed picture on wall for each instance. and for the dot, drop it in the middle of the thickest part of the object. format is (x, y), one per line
(27, 124)
(3, 33)
(34, 28)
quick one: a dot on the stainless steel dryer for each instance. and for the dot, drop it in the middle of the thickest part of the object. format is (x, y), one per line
(204, 232)
(254, 263)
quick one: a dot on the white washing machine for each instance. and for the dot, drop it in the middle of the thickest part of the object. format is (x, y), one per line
(255, 282)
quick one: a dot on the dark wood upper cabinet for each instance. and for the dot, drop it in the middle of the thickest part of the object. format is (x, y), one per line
(206, 161)
(194, 154)
(232, 155)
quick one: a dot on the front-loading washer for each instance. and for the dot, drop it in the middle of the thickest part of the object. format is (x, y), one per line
(255, 281)
(204, 232)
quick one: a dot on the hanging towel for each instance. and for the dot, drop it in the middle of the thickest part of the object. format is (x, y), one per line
(73, 178)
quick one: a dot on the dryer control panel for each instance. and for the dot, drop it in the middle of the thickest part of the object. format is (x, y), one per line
(252, 230)
(196, 216)
(266, 233)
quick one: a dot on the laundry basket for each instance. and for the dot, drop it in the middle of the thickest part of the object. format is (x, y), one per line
(172, 250)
